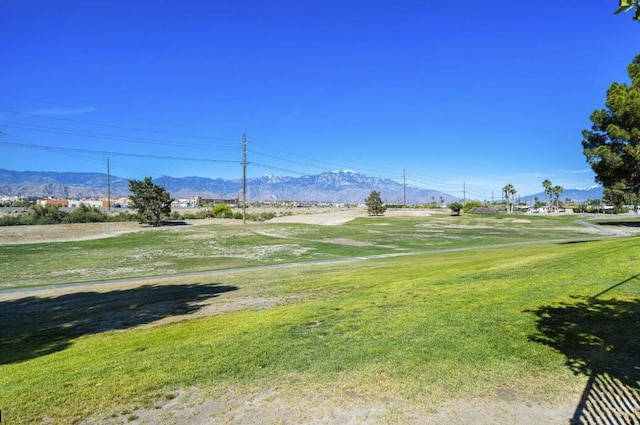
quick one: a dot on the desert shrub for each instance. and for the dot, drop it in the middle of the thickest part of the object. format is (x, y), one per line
(469, 205)
(222, 211)
(85, 214)
(47, 214)
(484, 209)
(14, 220)
(123, 216)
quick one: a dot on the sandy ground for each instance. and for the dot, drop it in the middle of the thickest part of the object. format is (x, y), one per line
(340, 406)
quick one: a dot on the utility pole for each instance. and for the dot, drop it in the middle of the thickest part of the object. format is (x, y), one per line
(404, 188)
(464, 192)
(108, 186)
(244, 178)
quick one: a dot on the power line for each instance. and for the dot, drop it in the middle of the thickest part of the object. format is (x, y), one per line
(114, 126)
(107, 153)
(82, 133)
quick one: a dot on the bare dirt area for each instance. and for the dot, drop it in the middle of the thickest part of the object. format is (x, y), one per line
(12, 235)
(315, 406)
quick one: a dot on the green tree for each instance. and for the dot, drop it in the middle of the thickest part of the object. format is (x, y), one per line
(628, 5)
(150, 200)
(612, 146)
(374, 204)
(456, 207)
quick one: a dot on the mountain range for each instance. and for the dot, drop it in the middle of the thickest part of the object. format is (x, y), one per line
(334, 186)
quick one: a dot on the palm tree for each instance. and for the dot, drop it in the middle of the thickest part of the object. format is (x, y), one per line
(508, 191)
(557, 190)
(547, 190)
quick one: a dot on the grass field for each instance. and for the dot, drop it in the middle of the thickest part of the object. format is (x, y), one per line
(532, 320)
(195, 248)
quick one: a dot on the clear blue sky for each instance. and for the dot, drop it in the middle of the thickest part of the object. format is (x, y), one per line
(486, 93)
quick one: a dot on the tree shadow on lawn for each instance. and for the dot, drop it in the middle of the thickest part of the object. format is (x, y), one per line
(600, 339)
(36, 326)
(619, 223)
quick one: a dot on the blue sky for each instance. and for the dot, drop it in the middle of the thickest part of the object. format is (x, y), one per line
(475, 93)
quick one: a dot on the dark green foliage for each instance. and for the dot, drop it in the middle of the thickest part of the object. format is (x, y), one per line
(612, 145)
(628, 5)
(151, 201)
(456, 207)
(374, 204)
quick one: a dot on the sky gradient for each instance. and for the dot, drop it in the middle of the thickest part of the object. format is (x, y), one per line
(470, 94)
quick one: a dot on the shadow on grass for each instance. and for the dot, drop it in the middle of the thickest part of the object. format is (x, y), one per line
(35, 326)
(619, 223)
(600, 339)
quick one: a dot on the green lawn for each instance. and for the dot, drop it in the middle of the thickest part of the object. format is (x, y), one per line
(198, 248)
(428, 327)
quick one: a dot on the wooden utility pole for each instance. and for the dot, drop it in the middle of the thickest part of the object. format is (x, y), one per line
(404, 188)
(108, 186)
(244, 178)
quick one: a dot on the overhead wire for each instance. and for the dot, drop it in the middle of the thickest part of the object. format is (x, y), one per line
(110, 153)
(56, 130)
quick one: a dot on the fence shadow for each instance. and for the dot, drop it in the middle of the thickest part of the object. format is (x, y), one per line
(35, 326)
(600, 339)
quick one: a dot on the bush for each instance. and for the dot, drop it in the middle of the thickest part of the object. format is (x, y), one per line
(123, 216)
(85, 214)
(222, 211)
(14, 220)
(46, 215)
(469, 205)
(484, 209)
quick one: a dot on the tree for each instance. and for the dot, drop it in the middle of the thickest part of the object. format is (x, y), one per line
(508, 191)
(612, 146)
(374, 204)
(557, 191)
(547, 190)
(456, 207)
(152, 201)
(628, 5)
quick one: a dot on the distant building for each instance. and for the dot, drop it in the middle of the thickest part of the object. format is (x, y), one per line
(199, 201)
(75, 203)
(61, 203)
